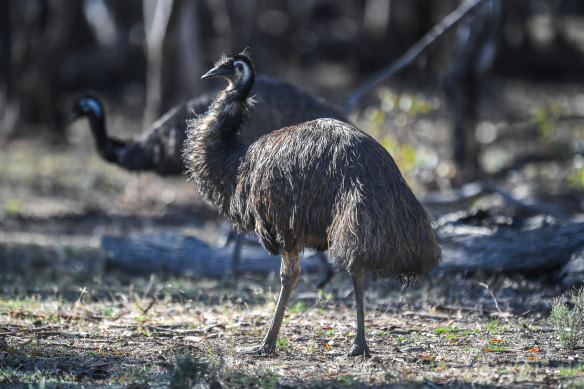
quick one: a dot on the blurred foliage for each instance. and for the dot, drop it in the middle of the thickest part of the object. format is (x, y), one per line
(576, 176)
(546, 119)
(391, 125)
(561, 139)
(12, 206)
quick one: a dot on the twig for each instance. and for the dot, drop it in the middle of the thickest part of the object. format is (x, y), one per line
(418, 48)
(145, 311)
(149, 286)
(495, 300)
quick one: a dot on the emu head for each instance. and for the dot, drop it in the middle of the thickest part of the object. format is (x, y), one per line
(237, 69)
(87, 105)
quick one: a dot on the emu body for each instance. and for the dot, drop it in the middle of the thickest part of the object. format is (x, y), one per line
(322, 184)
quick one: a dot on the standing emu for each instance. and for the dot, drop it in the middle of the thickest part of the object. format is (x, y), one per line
(322, 184)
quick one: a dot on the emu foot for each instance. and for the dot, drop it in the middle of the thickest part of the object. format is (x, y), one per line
(261, 349)
(360, 350)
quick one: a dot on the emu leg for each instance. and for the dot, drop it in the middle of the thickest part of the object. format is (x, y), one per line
(289, 275)
(328, 271)
(360, 345)
(236, 258)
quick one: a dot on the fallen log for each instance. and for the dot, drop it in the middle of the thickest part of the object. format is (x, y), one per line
(509, 249)
(172, 252)
(547, 249)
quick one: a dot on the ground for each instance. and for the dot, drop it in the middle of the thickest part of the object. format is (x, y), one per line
(68, 320)
(70, 326)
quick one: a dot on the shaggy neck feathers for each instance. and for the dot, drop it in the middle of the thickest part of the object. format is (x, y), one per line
(213, 149)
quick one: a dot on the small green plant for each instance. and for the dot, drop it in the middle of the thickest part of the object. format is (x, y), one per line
(492, 327)
(572, 371)
(282, 343)
(546, 119)
(109, 311)
(12, 206)
(496, 349)
(445, 330)
(346, 380)
(298, 307)
(401, 338)
(569, 322)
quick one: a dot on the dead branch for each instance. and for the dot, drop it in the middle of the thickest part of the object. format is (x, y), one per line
(409, 56)
(474, 190)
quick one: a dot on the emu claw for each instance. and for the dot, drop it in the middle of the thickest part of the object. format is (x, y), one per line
(360, 350)
(262, 349)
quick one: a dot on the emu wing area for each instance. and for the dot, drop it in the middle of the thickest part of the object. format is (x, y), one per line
(326, 185)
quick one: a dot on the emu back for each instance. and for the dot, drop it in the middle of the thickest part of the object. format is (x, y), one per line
(326, 185)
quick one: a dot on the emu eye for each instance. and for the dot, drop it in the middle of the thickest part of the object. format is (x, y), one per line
(239, 67)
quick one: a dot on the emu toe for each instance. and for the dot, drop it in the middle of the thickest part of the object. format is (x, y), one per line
(360, 350)
(261, 349)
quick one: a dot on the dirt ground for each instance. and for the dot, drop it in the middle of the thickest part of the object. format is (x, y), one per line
(67, 320)
(68, 326)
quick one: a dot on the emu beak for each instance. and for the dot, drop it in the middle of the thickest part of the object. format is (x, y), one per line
(216, 72)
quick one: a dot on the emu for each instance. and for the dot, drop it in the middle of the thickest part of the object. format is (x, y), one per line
(321, 184)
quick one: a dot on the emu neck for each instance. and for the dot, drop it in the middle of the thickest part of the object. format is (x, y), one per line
(213, 148)
(97, 123)
(106, 147)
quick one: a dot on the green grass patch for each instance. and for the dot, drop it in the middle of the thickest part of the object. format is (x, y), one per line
(575, 371)
(445, 330)
(496, 349)
(492, 327)
(282, 343)
(298, 307)
(12, 206)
